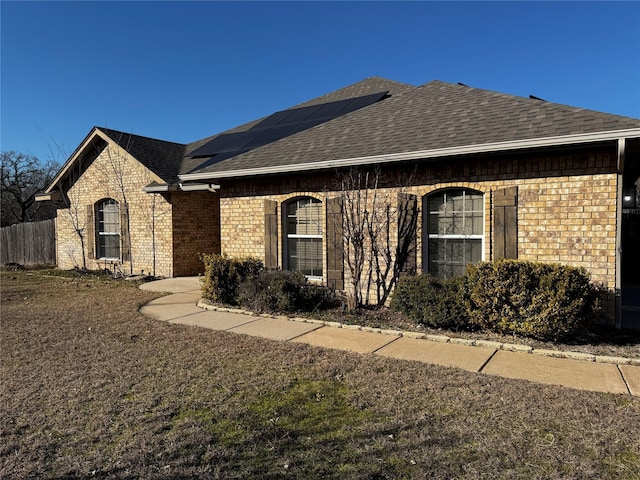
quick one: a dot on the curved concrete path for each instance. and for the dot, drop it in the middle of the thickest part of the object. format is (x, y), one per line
(580, 371)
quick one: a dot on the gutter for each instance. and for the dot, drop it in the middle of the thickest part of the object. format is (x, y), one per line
(194, 187)
(423, 154)
(199, 187)
(159, 188)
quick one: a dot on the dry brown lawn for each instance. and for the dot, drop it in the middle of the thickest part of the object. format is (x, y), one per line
(92, 389)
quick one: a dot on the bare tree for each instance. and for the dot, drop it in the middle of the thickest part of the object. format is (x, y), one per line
(117, 175)
(378, 234)
(22, 177)
(77, 217)
(156, 210)
(352, 191)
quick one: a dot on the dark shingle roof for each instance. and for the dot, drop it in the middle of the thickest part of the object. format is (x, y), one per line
(161, 157)
(436, 115)
(433, 116)
(364, 87)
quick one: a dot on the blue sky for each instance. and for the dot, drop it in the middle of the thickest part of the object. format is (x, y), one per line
(181, 71)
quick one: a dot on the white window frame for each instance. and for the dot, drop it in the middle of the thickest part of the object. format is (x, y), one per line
(100, 246)
(428, 236)
(293, 236)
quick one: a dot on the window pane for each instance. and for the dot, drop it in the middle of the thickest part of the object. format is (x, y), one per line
(109, 217)
(476, 223)
(453, 216)
(109, 246)
(435, 204)
(305, 255)
(108, 241)
(476, 203)
(456, 202)
(473, 251)
(433, 224)
(304, 219)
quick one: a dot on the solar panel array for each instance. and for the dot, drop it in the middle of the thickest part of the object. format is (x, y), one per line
(280, 125)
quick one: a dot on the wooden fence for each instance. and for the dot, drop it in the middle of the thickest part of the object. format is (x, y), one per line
(29, 243)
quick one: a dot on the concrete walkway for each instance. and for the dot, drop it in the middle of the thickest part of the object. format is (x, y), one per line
(569, 369)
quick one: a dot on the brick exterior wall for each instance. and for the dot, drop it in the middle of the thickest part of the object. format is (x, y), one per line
(566, 209)
(196, 229)
(566, 204)
(150, 216)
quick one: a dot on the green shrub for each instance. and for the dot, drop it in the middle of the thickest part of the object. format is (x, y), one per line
(223, 275)
(282, 291)
(545, 301)
(431, 301)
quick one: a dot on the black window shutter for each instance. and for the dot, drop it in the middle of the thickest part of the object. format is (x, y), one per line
(335, 250)
(505, 223)
(90, 237)
(270, 234)
(124, 234)
(406, 255)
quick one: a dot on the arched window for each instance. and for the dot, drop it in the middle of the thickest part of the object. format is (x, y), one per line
(303, 236)
(453, 225)
(108, 229)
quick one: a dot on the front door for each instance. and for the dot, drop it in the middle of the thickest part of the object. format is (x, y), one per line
(630, 265)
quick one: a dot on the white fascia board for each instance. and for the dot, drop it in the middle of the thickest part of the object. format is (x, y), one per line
(45, 197)
(424, 154)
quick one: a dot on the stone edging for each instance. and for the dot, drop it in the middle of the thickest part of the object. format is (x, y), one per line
(512, 347)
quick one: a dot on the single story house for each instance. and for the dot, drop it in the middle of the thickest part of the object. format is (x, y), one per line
(480, 175)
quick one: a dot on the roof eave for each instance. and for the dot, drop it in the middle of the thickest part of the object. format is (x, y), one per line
(159, 188)
(47, 197)
(72, 159)
(559, 141)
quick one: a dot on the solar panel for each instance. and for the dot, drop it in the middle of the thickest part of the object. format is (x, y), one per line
(269, 135)
(274, 119)
(280, 125)
(240, 141)
(215, 145)
(361, 102)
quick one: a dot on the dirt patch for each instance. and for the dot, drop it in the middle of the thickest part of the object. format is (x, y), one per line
(92, 389)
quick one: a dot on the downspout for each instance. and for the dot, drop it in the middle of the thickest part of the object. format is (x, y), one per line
(620, 163)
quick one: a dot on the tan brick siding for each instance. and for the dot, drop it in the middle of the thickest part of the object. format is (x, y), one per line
(566, 204)
(242, 226)
(150, 215)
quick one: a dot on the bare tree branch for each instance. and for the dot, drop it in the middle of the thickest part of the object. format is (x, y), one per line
(22, 177)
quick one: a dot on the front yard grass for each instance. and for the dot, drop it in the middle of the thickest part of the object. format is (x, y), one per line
(92, 389)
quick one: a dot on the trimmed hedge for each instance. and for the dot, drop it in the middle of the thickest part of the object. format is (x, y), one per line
(283, 291)
(539, 300)
(432, 301)
(223, 276)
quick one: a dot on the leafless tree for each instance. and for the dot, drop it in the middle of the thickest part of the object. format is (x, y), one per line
(77, 217)
(22, 177)
(378, 234)
(116, 173)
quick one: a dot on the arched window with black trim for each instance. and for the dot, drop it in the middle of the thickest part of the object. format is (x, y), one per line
(454, 231)
(108, 229)
(303, 236)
